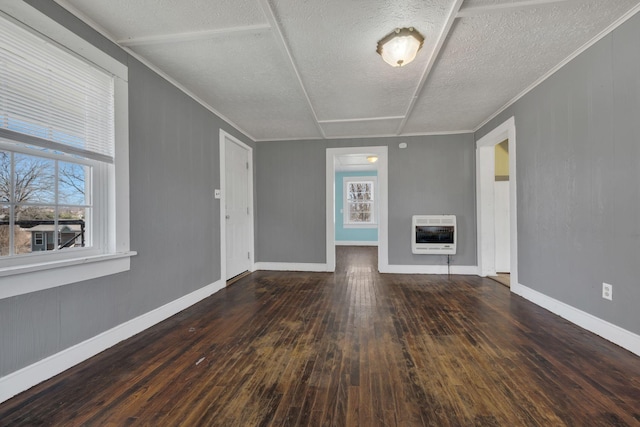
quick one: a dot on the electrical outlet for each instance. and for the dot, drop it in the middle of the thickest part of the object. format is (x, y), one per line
(607, 291)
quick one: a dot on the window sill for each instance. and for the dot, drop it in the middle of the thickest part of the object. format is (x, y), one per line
(360, 225)
(36, 277)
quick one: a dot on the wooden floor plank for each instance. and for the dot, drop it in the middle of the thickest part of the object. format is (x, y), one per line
(350, 348)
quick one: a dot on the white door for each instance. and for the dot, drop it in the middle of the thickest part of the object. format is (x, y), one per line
(237, 213)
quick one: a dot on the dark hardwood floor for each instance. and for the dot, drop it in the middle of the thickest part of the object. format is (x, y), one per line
(354, 348)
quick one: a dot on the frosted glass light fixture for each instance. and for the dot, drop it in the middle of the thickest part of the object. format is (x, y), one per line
(400, 47)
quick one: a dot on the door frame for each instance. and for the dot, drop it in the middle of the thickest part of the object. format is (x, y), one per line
(226, 138)
(383, 238)
(485, 177)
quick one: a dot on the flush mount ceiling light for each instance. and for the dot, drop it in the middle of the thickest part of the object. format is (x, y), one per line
(400, 46)
(372, 159)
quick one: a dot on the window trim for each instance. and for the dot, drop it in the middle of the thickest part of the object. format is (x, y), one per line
(345, 201)
(99, 205)
(49, 272)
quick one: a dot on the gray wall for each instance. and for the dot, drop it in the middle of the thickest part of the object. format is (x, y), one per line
(433, 175)
(290, 188)
(174, 167)
(578, 176)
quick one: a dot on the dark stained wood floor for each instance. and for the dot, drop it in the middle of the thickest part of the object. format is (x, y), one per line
(354, 348)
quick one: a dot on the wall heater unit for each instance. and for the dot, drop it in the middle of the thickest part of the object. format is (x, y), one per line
(433, 234)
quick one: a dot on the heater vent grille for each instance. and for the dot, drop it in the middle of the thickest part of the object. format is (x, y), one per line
(433, 234)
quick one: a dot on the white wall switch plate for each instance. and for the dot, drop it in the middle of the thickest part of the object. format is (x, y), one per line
(217, 193)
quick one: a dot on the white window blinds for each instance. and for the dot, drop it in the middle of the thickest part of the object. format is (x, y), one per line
(51, 99)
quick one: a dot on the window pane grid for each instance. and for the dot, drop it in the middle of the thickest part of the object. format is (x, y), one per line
(36, 214)
(360, 202)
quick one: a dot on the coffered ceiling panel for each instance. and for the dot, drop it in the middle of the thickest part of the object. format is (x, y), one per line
(127, 19)
(264, 100)
(292, 69)
(334, 47)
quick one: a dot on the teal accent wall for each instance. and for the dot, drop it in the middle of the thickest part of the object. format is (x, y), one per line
(351, 234)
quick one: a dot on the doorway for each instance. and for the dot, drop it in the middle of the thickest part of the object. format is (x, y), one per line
(382, 209)
(501, 208)
(236, 206)
(356, 200)
(492, 202)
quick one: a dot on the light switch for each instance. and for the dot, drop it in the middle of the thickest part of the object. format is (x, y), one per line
(216, 193)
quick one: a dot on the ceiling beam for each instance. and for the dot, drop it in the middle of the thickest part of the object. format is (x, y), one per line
(435, 52)
(366, 119)
(504, 7)
(284, 47)
(192, 35)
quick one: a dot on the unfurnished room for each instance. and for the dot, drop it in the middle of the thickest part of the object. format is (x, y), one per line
(310, 213)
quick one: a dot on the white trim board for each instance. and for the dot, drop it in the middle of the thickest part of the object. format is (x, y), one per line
(372, 137)
(393, 269)
(290, 266)
(356, 243)
(617, 335)
(432, 269)
(29, 376)
(485, 183)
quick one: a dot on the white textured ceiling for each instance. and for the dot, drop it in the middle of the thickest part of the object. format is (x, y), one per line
(355, 163)
(292, 69)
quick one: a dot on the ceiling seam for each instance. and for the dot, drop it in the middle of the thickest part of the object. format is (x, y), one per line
(357, 120)
(505, 7)
(393, 135)
(431, 62)
(271, 17)
(192, 36)
(82, 17)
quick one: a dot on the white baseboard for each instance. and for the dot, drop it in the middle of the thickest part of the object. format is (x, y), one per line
(609, 331)
(431, 269)
(290, 266)
(356, 243)
(27, 377)
(396, 269)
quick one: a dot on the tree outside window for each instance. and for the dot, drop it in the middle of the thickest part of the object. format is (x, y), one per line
(359, 202)
(40, 192)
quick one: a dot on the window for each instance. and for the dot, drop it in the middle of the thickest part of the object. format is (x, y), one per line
(359, 201)
(42, 194)
(63, 155)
